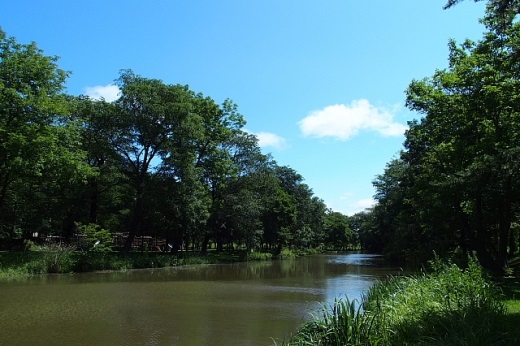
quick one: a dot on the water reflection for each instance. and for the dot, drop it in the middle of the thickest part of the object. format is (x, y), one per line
(234, 304)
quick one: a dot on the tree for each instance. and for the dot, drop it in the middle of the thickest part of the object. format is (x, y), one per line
(293, 216)
(495, 6)
(151, 115)
(220, 155)
(499, 13)
(246, 191)
(364, 227)
(39, 144)
(337, 230)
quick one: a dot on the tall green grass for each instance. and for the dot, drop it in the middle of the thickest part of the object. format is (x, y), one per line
(449, 306)
(342, 323)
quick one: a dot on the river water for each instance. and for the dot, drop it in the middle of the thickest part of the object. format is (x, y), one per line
(230, 304)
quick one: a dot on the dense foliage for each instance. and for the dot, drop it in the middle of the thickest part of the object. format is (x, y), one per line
(456, 184)
(161, 161)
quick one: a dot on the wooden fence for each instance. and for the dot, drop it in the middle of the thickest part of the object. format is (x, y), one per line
(140, 243)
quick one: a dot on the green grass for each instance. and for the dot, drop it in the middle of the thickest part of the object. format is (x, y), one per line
(449, 306)
(511, 298)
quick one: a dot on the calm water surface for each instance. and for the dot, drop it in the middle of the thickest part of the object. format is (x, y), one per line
(231, 304)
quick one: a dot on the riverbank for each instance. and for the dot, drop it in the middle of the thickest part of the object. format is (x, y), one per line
(63, 260)
(449, 306)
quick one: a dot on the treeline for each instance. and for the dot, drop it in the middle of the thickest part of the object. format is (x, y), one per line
(161, 160)
(456, 185)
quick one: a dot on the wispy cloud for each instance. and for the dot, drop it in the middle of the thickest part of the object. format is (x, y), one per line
(268, 139)
(108, 92)
(344, 121)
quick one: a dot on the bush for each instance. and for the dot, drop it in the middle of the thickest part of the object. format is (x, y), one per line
(258, 256)
(96, 238)
(53, 259)
(287, 254)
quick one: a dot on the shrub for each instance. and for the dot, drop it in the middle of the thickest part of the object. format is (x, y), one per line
(258, 256)
(287, 254)
(53, 258)
(96, 238)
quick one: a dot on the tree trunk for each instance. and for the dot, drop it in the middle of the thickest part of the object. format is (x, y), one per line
(136, 222)
(204, 246)
(94, 200)
(466, 239)
(129, 241)
(68, 226)
(513, 246)
(3, 190)
(504, 225)
(482, 237)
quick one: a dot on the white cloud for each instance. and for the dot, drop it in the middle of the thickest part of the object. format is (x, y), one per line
(343, 121)
(350, 207)
(108, 92)
(347, 206)
(363, 204)
(267, 139)
(358, 206)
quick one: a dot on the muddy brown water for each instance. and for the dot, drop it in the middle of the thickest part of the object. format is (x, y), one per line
(230, 304)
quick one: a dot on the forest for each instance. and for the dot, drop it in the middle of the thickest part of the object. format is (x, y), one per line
(162, 161)
(167, 162)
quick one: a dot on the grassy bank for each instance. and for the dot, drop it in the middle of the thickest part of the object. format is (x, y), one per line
(62, 259)
(65, 260)
(449, 306)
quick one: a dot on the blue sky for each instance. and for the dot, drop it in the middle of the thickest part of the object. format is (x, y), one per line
(321, 83)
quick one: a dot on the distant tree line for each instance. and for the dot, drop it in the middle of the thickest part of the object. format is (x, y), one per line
(161, 160)
(456, 185)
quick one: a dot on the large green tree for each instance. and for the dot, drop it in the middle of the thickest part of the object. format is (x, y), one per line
(151, 115)
(102, 200)
(40, 150)
(338, 234)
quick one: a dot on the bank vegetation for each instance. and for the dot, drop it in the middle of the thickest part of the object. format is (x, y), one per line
(446, 306)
